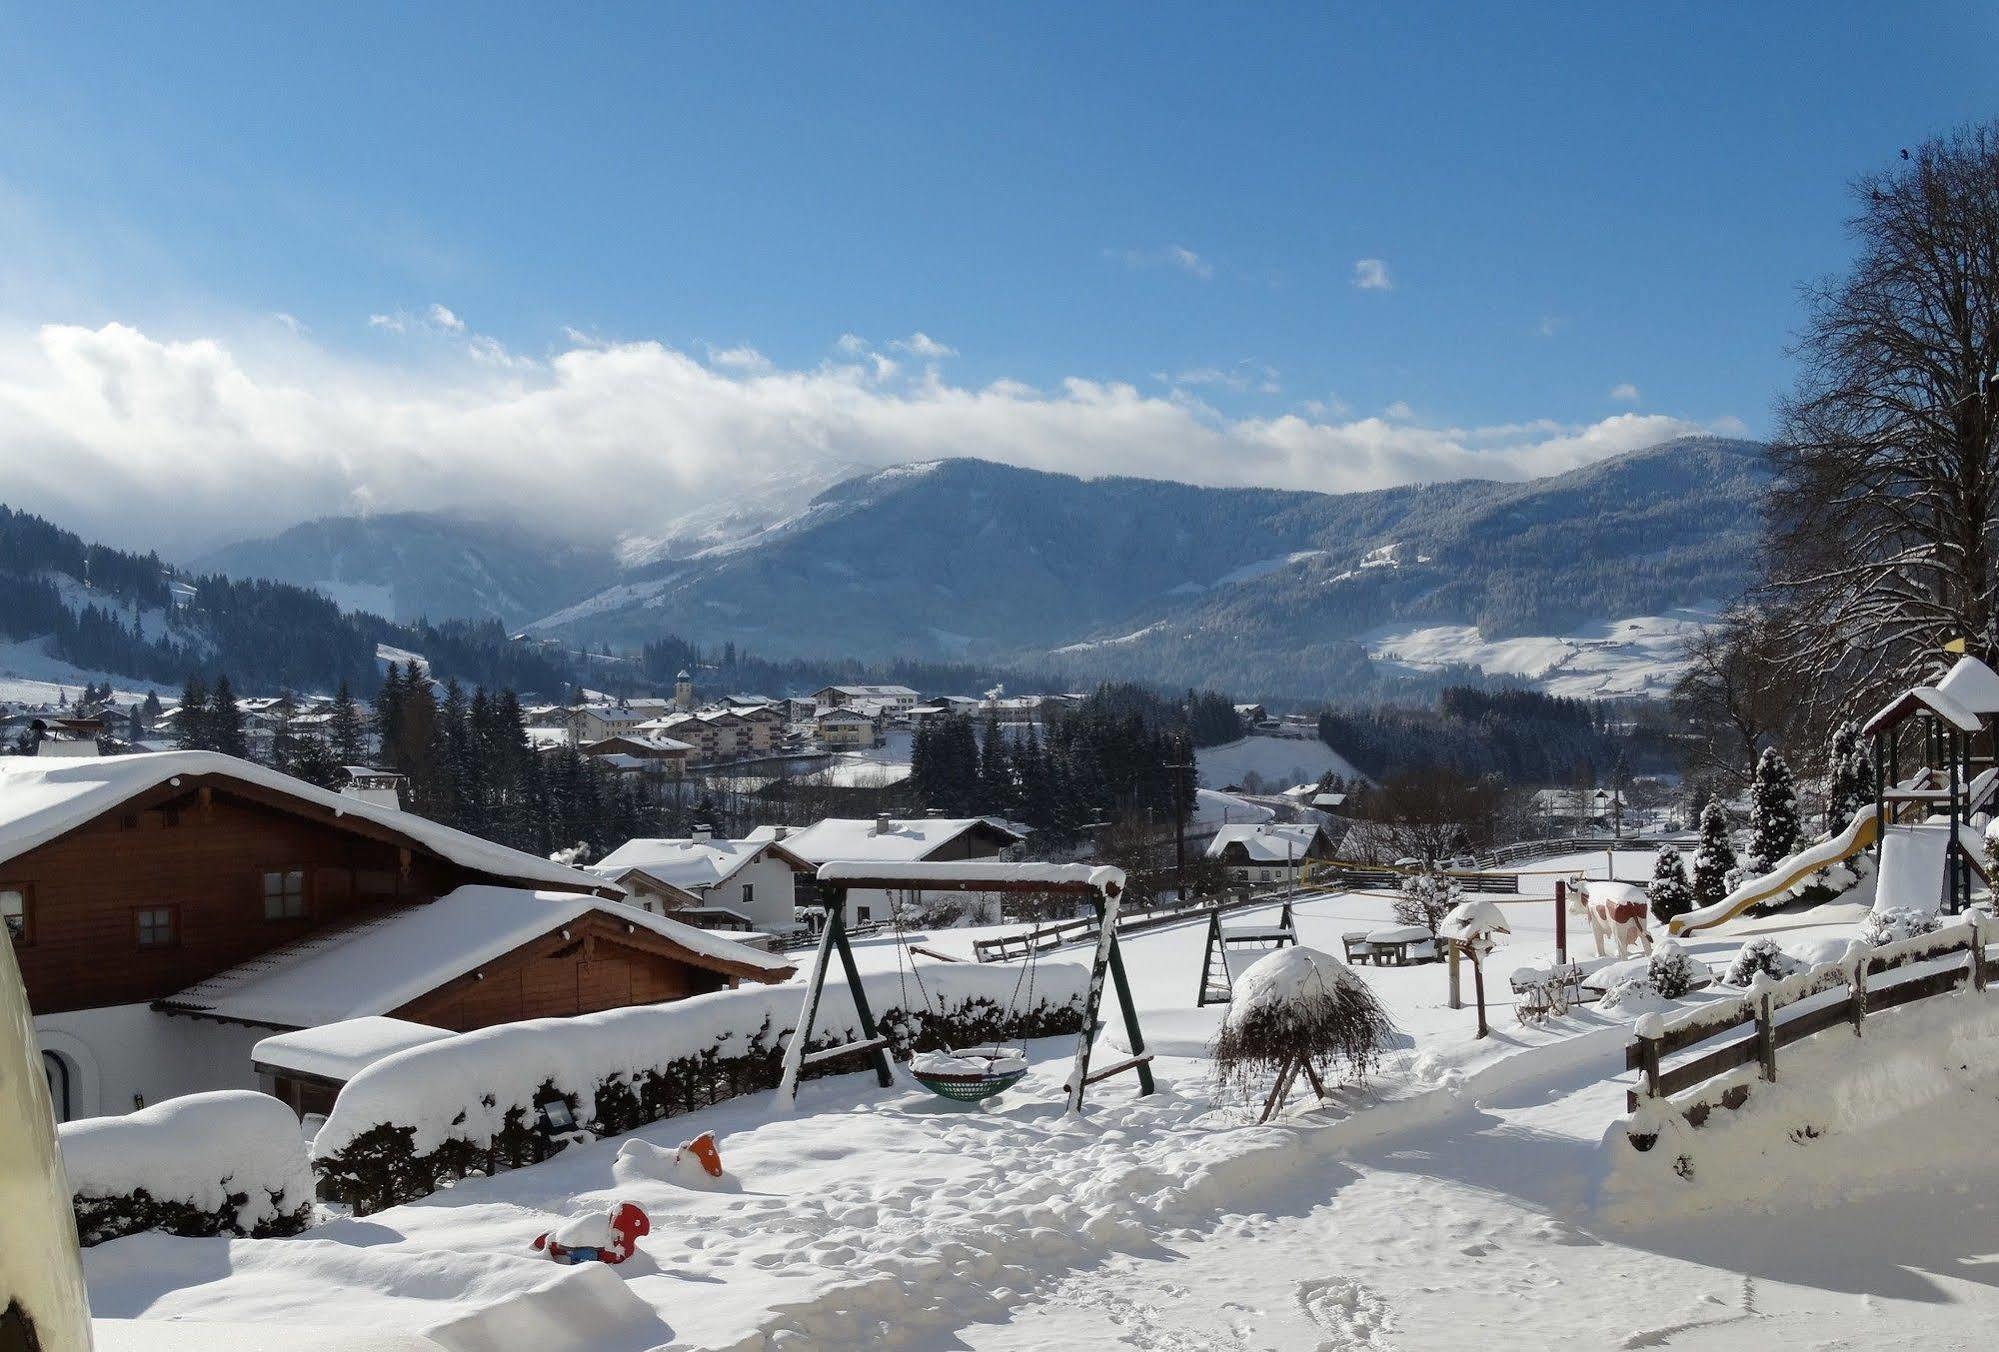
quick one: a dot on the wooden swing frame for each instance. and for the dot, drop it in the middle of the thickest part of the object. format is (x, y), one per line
(1103, 887)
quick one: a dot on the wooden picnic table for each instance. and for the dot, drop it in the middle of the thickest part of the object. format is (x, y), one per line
(1396, 941)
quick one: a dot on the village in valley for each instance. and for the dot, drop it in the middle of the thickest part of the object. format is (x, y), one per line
(588, 835)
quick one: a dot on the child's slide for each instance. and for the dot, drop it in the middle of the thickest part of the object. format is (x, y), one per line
(1858, 835)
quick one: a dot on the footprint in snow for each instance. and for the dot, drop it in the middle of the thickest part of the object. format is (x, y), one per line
(1352, 1315)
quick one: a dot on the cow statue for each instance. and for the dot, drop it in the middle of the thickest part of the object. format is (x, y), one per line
(1614, 910)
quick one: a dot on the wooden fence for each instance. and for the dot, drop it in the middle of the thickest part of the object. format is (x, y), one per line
(1003, 947)
(1378, 877)
(1761, 1032)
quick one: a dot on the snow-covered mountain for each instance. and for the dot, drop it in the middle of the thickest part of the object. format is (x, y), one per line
(1282, 593)
(413, 565)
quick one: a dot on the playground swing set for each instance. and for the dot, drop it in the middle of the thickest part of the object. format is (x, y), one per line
(1219, 960)
(969, 1074)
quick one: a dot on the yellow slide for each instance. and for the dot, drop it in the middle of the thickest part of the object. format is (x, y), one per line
(1858, 835)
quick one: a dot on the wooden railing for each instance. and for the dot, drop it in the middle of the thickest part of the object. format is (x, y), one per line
(1536, 849)
(1339, 873)
(1755, 1018)
(1004, 947)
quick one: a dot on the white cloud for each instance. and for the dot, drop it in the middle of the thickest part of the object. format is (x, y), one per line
(923, 347)
(740, 358)
(394, 323)
(1624, 392)
(1549, 326)
(852, 344)
(1176, 256)
(183, 444)
(1371, 274)
(1399, 410)
(1728, 425)
(443, 319)
(291, 322)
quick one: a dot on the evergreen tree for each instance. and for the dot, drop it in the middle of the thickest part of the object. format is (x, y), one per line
(312, 760)
(191, 725)
(1715, 857)
(1773, 812)
(284, 743)
(1849, 775)
(225, 720)
(1670, 892)
(996, 793)
(347, 738)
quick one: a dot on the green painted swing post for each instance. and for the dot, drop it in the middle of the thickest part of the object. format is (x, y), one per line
(1108, 956)
(832, 939)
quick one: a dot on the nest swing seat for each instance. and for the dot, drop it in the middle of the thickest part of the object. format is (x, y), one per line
(957, 1074)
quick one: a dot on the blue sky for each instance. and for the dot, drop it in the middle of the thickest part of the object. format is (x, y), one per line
(1576, 213)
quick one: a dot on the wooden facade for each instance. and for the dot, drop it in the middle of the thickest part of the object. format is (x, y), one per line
(182, 867)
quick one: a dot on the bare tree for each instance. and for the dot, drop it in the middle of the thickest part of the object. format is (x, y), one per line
(1883, 515)
(1739, 693)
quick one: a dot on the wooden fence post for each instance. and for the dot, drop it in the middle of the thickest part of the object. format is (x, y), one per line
(1856, 996)
(1648, 1059)
(1766, 1038)
(1457, 1000)
(1977, 957)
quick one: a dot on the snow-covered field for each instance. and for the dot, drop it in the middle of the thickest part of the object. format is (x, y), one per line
(1452, 1203)
(1642, 655)
(1281, 761)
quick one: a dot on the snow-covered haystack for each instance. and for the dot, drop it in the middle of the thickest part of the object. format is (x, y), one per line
(230, 1162)
(438, 1111)
(1297, 1003)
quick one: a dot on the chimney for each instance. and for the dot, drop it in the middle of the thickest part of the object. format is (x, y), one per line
(780, 832)
(881, 824)
(703, 832)
(933, 812)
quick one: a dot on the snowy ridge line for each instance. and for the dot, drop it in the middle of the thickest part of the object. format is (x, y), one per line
(1106, 1193)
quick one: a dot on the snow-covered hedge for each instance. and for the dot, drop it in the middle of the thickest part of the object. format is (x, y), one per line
(436, 1112)
(225, 1163)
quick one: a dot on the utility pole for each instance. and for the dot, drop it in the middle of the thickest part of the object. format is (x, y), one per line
(1180, 828)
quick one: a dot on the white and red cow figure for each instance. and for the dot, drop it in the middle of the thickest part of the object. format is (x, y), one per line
(1614, 911)
(596, 1236)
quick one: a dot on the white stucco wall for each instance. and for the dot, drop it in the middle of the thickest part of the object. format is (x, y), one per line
(122, 1050)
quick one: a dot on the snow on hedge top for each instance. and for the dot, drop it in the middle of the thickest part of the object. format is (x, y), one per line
(464, 1086)
(977, 871)
(386, 961)
(1972, 684)
(905, 840)
(41, 800)
(1266, 842)
(340, 1051)
(198, 1148)
(1277, 980)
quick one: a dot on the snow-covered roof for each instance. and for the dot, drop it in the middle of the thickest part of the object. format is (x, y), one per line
(856, 839)
(693, 865)
(1972, 684)
(1930, 698)
(1266, 842)
(385, 961)
(41, 800)
(340, 1051)
(1477, 918)
(1098, 876)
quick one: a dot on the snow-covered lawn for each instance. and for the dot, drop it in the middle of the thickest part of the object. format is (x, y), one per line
(1451, 1203)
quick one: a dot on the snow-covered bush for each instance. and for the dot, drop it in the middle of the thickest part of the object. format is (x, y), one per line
(1669, 891)
(950, 910)
(418, 1119)
(1715, 857)
(1764, 956)
(1426, 898)
(1897, 922)
(1293, 1004)
(230, 1162)
(1634, 995)
(1672, 970)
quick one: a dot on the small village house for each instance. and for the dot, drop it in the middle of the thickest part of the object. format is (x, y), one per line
(889, 840)
(710, 881)
(1269, 852)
